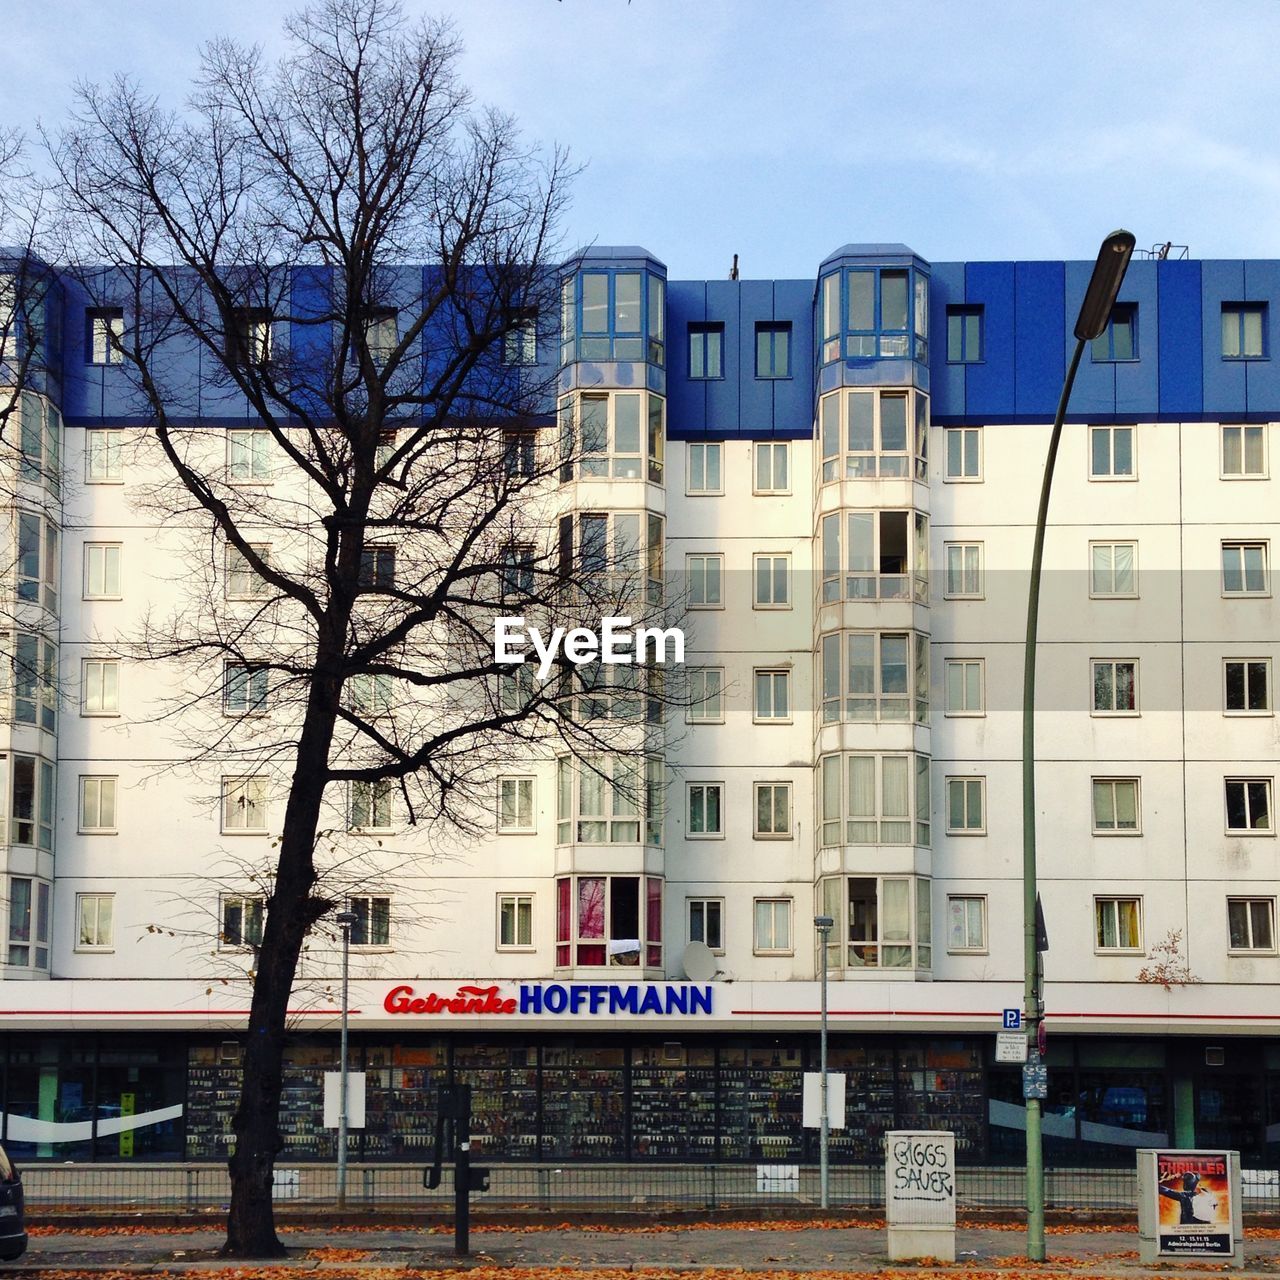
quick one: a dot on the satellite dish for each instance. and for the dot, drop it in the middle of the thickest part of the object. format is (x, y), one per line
(699, 962)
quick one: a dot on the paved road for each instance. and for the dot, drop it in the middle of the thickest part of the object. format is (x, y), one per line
(685, 1250)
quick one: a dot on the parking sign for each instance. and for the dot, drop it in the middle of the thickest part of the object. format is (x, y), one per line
(1012, 1020)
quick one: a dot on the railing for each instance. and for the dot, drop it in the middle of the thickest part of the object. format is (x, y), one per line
(636, 1188)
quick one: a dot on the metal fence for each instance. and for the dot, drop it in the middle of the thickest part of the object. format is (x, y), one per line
(617, 1188)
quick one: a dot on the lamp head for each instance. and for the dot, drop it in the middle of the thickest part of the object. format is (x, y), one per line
(1104, 285)
(346, 918)
(823, 922)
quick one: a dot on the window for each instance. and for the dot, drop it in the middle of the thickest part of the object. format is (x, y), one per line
(97, 804)
(515, 806)
(773, 467)
(40, 443)
(520, 344)
(370, 694)
(1248, 805)
(244, 805)
(705, 471)
(248, 456)
(609, 920)
(102, 570)
(706, 695)
(94, 912)
(515, 689)
(1115, 687)
(875, 555)
(1251, 924)
(102, 457)
(103, 335)
(964, 453)
(869, 675)
(1244, 452)
(965, 679)
(519, 454)
(515, 922)
(1115, 806)
(242, 581)
(773, 695)
(372, 927)
(603, 311)
(773, 350)
(964, 335)
(966, 924)
(370, 804)
(884, 313)
(772, 582)
(31, 802)
(1244, 330)
(242, 921)
(878, 433)
(966, 806)
(1111, 453)
(100, 687)
(706, 575)
(37, 560)
(30, 908)
(1247, 684)
(1113, 568)
(249, 336)
(866, 798)
(378, 567)
(706, 351)
(1244, 569)
(1119, 340)
(381, 333)
(875, 923)
(705, 810)
(772, 926)
(706, 922)
(620, 434)
(35, 678)
(609, 799)
(625, 544)
(773, 810)
(964, 570)
(1117, 924)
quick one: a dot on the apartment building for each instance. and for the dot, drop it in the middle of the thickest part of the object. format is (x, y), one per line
(841, 474)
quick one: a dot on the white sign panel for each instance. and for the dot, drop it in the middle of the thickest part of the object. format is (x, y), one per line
(777, 1177)
(812, 1118)
(333, 1099)
(1011, 1046)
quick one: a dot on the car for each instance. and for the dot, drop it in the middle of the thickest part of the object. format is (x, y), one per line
(13, 1234)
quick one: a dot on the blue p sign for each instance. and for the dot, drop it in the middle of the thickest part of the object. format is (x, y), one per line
(1012, 1020)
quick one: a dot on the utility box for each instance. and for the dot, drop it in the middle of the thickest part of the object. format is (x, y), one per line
(1189, 1206)
(920, 1194)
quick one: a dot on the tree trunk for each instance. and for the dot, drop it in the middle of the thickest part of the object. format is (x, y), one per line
(251, 1231)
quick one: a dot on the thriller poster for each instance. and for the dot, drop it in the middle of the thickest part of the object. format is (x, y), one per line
(1195, 1209)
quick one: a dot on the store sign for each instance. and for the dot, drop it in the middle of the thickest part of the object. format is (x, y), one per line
(663, 999)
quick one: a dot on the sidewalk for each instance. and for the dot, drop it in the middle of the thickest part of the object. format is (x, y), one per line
(535, 1254)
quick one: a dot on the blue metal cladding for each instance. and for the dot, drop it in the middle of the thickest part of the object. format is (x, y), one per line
(1178, 339)
(686, 396)
(793, 396)
(1262, 377)
(1224, 380)
(724, 394)
(990, 386)
(1040, 326)
(947, 381)
(1137, 382)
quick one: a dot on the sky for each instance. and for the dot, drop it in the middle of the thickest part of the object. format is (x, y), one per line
(968, 129)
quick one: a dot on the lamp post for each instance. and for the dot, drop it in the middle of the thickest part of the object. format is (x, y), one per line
(1095, 312)
(823, 925)
(345, 920)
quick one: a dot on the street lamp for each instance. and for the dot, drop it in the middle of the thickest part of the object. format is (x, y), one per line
(1095, 312)
(823, 924)
(345, 921)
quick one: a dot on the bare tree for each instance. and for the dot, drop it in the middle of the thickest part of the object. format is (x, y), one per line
(387, 493)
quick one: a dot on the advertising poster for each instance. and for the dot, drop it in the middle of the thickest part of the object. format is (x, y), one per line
(1195, 1209)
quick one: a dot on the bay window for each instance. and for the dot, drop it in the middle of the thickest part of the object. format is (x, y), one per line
(869, 798)
(618, 434)
(625, 545)
(613, 315)
(30, 908)
(609, 799)
(878, 433)
(868, 675)
(884, 312)
(875, 555)
(881, 922)
(609, 920)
